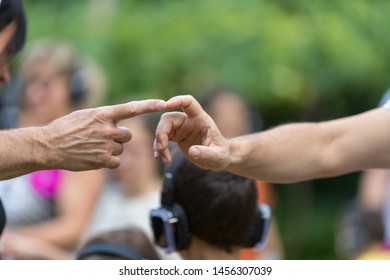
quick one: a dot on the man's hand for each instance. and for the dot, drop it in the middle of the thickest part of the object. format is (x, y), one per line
(195, 132)
(90, 139)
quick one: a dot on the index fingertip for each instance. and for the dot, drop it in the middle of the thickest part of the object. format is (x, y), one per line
(161, 105)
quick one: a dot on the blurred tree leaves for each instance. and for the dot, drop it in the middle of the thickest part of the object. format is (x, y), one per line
(303, 57)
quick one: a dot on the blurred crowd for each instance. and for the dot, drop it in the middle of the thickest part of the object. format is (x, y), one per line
(104, 214)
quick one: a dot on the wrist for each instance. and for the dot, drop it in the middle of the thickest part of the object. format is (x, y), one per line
(236, 154)
(42, 148)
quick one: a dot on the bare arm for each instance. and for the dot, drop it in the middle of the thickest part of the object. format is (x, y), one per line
(287, 153)
(21, 152)
(372, 189)
(83, 140)
(75, 203)
(52, 239)
(16, 246)
(304, 151)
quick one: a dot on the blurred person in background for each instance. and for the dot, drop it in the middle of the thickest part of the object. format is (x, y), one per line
(83, 140)
(216, 211)
(231, 112)
(369, 218)
(360, 232)
(129, 243)
(136, 185)
(233, 117)
(50, 209)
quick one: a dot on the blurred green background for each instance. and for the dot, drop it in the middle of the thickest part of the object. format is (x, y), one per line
(293, 61)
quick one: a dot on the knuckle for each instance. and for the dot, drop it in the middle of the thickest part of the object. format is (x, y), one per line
(104, 159)
(164, 117)
(100, 114)
(189, 96)
(117, 148)
(131, 109)
(108, 132)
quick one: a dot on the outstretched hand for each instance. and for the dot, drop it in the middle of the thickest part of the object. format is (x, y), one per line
(90, 139)
(195, 133)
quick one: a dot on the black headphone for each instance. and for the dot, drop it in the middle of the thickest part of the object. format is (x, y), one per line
(77, 85)
(172, 213)
(111, 249)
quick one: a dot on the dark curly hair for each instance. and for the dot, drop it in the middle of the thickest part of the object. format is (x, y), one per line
(220, 206)
(130, 238)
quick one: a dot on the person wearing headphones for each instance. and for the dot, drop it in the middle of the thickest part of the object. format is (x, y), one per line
(208, 215)
(128, 243)
(288, 153)
(51, 206)
(83, 140)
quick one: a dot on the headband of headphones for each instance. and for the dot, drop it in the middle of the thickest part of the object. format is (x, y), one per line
(111, 249)
(168, 191)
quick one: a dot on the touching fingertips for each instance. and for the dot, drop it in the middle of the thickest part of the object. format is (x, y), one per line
(161, 105)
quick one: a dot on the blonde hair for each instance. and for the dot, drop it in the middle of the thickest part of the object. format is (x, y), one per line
(64, 59)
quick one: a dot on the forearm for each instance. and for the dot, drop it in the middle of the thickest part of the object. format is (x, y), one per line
(285, 154)
(59, 232)
(21, 151)
(299, 152)
(49, 251)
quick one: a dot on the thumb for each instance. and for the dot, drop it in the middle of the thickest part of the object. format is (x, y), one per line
(207, 157)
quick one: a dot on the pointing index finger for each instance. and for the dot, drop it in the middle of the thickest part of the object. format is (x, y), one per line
(134, 108)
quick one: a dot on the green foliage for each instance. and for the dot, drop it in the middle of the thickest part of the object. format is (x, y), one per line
(291, 56)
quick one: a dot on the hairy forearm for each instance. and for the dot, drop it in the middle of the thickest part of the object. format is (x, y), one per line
(21, 151)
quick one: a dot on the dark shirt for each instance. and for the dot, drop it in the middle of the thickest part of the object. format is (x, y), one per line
(2, 218)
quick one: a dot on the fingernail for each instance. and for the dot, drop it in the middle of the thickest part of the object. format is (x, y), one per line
(160, 105)
(195, 153)
(159, 146)
(155, 154)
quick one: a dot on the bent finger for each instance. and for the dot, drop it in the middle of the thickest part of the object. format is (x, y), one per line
(117, 149)
(122, 134)
(169, 123)
(186, 102)
(114, 162)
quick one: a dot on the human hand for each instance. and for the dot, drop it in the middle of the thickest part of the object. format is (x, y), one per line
(90, 139)
(10, 245)
(15, 246)
(195, 132)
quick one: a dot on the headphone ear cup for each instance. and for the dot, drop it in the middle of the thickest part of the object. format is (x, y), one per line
(78, 88)
(182, 233)
(256, 230)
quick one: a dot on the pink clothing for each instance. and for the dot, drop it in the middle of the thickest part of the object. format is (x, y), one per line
(47, 182)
